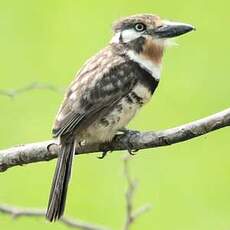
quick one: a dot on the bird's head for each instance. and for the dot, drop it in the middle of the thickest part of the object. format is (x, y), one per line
(147, 33)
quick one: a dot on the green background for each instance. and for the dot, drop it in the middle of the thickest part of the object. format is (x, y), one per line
(187, 184)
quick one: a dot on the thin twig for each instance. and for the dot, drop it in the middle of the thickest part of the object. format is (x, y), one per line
(132, 184)
(16, 212)
(47, 150)
(145, 208)
(12, 93)
(131, 215)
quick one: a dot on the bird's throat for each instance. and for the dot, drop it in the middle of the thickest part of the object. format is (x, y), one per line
(148, 54)
(153, 50)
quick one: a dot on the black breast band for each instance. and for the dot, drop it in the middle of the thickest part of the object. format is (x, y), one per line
(144, 77)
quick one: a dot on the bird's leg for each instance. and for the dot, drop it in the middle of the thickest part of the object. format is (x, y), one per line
(127, 145)
(109, 147)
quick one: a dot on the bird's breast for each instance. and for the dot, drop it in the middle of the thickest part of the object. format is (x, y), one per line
(105, 128)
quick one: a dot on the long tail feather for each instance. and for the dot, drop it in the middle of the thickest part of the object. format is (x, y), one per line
(60, 182)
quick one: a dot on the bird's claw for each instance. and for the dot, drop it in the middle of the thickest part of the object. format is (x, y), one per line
(129, 148)
(109, 147)
(133, 151)
(127, 145)
(105, 150)
(104, 153)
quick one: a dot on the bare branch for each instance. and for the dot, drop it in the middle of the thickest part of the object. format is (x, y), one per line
(16, 212)
(132, 185)
(141, 210)
(131, 215)
(12, 93)
(47, 150)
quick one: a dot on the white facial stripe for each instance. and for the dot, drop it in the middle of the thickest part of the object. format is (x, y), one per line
(129, 35)
(126, 35)
(153, 69)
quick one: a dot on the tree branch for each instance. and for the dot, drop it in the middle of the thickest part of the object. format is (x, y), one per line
(12, 93)
(47, 150)
(22, 212)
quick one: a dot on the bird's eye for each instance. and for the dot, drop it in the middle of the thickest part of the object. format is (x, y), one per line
(139, 27)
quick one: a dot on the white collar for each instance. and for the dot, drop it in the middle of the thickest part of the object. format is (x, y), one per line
(153, 69)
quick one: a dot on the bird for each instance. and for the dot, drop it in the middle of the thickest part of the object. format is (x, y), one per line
(108, 91)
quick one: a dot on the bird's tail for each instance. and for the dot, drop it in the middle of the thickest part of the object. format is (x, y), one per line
(60, 182)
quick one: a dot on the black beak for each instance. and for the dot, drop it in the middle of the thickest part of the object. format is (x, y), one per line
(172, 29)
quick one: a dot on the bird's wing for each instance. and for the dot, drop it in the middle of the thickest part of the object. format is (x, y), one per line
(103, 81)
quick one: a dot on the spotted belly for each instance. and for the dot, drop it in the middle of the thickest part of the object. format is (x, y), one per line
(105, 128)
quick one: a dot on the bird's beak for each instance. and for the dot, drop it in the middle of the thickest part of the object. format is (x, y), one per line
(172, 29)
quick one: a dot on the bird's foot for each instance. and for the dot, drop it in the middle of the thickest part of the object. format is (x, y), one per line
(105, 149)
(128, 133)
(126, 144)
(119, 138)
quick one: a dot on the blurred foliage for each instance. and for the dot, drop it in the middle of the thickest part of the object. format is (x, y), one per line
(188, 184)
